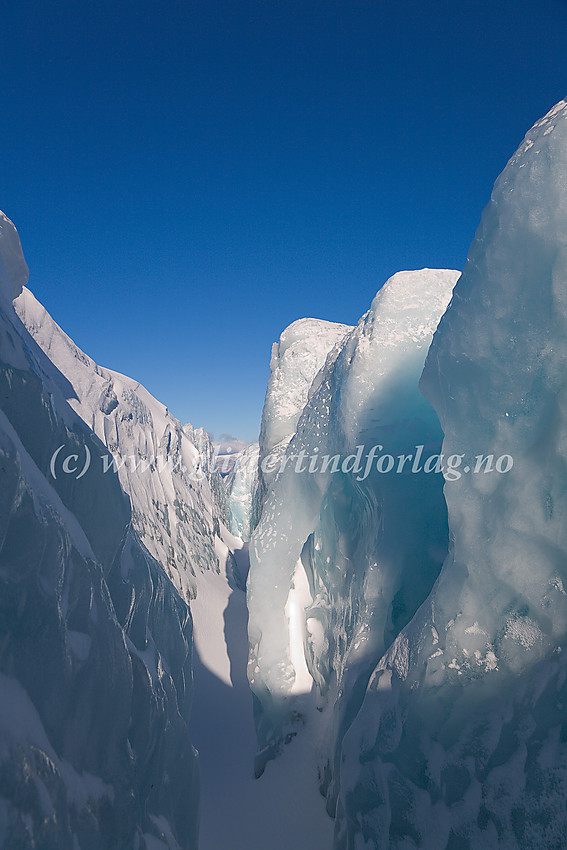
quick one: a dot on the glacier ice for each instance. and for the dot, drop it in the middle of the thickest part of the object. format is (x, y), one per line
(296, 358)
(361, 553)
(243, 494)
(461, 740)
(440, 691)
(95, 642)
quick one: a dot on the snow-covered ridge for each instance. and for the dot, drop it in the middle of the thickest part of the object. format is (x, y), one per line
(178, 500)
(14, 272)
(95, 642)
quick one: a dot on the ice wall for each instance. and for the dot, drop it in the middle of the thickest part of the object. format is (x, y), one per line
(242, 486)
(95, 642)
(359, 548)
(296, 358)
(461, 741)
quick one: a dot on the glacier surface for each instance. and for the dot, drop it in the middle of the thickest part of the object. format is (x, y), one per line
(406, 615)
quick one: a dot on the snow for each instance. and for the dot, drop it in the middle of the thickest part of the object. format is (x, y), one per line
(180, 518)
(406, 629)
(20, 725)
(14, 272)
(280, 810)
(95, 639)
(208, 610)
(296, 358)
(166, 469)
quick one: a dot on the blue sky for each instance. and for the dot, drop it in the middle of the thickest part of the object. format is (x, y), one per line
(190, 177)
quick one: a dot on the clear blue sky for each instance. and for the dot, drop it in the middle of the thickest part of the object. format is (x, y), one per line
(190, 177)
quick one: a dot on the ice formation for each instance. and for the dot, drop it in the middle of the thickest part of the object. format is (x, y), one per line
(341, 560)
(461, 741)
(95, 642)
(296, 358)
(243, 493)
(442, 697)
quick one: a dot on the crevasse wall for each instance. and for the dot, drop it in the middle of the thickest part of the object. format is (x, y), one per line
(243, 496)
(95, 643)
(295, 360)
(462, 740)
(369, 546)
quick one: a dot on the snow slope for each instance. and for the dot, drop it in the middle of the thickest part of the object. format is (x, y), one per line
(283, 808)
(178, 500)
(179, 514)
(95, 672)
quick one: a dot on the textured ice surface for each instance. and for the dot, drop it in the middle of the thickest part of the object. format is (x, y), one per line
(243, 494)
(461, 741)
(360, 552)
(296, 358)
(166, 469)
(95, 681)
